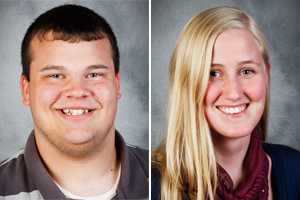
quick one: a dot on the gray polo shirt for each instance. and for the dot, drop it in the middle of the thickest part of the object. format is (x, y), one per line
(23, 176)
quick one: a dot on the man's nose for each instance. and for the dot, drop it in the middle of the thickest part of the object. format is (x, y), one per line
(232, 89)
(76, 88)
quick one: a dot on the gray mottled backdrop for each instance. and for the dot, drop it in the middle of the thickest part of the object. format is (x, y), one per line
(280, 23)
(130, 22)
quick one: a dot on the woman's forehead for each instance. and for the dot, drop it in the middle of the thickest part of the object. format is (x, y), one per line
(236, 45)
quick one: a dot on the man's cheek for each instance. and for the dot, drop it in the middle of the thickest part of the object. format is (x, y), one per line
(105, 92)
(48, 93)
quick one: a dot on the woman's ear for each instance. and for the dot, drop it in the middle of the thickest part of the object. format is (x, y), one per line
(25, 90)
(269, 68)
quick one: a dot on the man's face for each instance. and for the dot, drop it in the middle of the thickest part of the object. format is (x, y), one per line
(72, 93)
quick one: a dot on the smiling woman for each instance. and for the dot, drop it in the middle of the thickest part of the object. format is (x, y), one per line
(218, 116)
(237, 84)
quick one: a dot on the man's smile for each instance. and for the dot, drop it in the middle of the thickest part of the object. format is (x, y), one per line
(75, 111)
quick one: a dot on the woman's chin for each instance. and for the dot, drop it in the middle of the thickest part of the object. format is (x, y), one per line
(233, 133)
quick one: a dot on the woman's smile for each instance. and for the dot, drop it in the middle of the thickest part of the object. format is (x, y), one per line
(235, 96)
(232, 109)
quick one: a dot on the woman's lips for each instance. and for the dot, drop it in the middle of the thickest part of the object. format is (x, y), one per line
(233, 109)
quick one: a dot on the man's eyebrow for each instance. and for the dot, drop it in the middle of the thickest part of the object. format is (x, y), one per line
(61, 68)
(52, 67)
(91, 67)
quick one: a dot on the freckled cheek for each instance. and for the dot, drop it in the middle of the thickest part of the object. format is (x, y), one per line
(256, 90)
(212, 93)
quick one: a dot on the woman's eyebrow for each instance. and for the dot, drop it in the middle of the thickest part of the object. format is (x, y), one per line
(52, 67)
(240, 63)
(249, 62)
(216, 64)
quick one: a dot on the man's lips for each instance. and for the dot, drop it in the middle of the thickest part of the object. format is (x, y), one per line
(75, 110)
(75, 113)
(70, 111)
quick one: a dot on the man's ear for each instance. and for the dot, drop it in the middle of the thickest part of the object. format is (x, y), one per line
(25, 90)
(118, 84)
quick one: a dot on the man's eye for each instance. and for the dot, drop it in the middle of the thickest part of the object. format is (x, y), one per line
(214, 74)
(93, 75)
(247, 71)
(57, 76)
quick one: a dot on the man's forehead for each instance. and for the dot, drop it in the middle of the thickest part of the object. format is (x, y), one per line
(41, 40)
(45, 53)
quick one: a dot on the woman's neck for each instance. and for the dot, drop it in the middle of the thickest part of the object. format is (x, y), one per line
(230, 154)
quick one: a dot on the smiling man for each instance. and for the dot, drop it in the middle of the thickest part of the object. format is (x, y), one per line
(71, 82)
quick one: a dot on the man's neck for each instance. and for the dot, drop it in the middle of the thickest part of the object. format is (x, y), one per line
(91, 175)
(230, 154)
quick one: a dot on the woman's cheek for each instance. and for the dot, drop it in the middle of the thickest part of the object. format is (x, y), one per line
(212, 93)
(256, 89)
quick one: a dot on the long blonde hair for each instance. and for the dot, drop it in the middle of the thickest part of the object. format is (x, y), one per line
(186, 156)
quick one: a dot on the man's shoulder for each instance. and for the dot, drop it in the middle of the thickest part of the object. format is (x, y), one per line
(132, 155)
(141, 155)
(15, 178)
(14, 156)
(134, 181)
(11, 165)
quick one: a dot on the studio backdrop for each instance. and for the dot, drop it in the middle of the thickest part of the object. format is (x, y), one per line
(130, 23)
(279, 21)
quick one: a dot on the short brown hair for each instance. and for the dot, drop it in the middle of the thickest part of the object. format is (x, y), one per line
(70, 23)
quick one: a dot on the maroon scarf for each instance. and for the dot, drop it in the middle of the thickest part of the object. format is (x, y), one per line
(256, 183)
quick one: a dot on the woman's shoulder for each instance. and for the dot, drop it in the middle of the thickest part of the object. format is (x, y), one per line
(280, 151)
(284, 157)
(285, 165)
(155, 181)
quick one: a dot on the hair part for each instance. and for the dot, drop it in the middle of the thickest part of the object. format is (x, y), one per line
(70, 23)
(186, 156)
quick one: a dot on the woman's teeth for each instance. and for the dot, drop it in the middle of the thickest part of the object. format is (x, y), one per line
(232, 110)
(75, 111)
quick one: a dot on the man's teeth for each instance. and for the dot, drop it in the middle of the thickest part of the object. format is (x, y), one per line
(75, 111)
(232, 110)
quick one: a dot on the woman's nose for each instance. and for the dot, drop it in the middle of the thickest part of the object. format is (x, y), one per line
(232, 89)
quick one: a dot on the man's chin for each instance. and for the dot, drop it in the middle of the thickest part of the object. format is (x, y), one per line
(80, 148)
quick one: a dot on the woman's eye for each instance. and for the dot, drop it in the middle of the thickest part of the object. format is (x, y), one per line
(214, 74)
(93, 75)
(247, 71)
(57, 76)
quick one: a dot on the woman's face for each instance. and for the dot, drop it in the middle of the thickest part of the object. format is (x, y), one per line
(235, 97)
